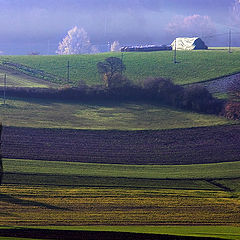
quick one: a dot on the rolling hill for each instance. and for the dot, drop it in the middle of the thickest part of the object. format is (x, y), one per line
(191, 67)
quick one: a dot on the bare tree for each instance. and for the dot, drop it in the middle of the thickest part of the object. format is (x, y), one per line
(111, 69)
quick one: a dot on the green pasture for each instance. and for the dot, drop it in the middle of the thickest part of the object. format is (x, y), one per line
(192, 66)
(15, 78)
(100, 115)
(197, 176)
(196, 171)
(21, 80)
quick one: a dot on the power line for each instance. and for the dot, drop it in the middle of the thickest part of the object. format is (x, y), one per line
(229, 41)
(4, 88)
(68, 71)
(175, 51)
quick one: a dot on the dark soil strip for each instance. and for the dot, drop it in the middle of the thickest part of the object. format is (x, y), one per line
(87, 235)
(221, 186)
(178, 146)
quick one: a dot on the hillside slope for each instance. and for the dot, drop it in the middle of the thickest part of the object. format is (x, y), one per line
(192, 66)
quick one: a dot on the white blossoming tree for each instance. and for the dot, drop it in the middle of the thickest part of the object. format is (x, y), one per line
(115, 46)
(76, 42)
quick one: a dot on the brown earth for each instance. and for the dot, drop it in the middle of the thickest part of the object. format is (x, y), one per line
(178, 146)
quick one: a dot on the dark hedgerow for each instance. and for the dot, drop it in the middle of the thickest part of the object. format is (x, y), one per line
(163, 90)
(157, 90)
(198, 98)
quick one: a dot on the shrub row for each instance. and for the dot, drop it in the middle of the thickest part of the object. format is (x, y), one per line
(151, 90)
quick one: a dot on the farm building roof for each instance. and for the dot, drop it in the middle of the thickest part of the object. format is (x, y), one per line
(146, 48)
(188, 43)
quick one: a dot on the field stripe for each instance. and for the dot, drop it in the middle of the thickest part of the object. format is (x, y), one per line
(196, 171)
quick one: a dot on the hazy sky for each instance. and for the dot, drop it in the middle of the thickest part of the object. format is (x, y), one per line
(33, 25)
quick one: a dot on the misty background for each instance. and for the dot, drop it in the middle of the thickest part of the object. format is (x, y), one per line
(38, 26)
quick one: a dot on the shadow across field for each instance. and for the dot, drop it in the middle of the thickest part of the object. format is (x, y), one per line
(112, 182)
(10, 199)
(87, 235)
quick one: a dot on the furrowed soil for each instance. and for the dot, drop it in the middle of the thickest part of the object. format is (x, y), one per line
(178, 146)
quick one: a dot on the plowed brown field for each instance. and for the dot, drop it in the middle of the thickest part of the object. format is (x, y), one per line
(178, 146)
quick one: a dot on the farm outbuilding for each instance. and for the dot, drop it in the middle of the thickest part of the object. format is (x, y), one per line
(146, 48)
(188, 44)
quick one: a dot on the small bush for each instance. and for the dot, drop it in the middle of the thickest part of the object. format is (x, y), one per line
(163, 90)
(198, 98)
(232, 110)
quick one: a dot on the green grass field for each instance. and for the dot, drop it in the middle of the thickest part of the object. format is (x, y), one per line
(105, 115)
(192, 66)
(196, 171)
(16, 78)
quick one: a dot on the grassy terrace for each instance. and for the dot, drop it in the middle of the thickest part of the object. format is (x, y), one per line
(193, 66)
(196, 171)
(105, 115)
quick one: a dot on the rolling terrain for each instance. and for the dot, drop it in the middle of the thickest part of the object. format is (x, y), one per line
(118, 167)
(40, 113)
(192, 66)
(16, 78)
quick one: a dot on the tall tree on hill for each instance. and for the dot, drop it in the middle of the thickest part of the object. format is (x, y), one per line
(1, 166)
(111, 70)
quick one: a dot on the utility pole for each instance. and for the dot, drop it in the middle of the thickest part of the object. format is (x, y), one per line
(48, 48)
(4, 88)
(68, 71)
(229, 41)
(175, 51)
(121, 63)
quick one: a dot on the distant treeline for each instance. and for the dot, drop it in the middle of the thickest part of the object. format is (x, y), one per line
(157, 90)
